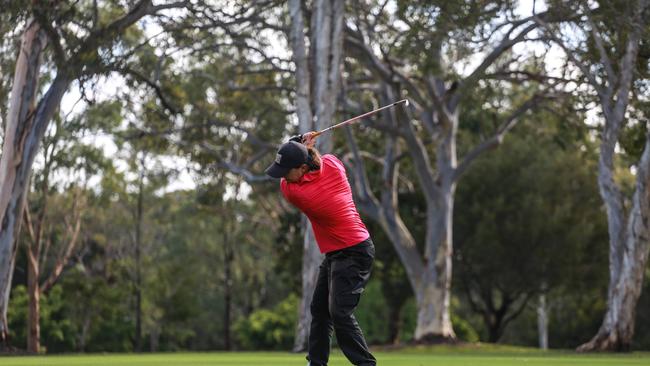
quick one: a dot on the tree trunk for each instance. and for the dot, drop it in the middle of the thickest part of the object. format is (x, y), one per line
(434, 295)
(228, 259)
(494, 329)
(629, 234)
(385, 212)
(310, 265)
(23, 131)
(431, 283)
(138, 269)
(317, 83)
(617, 329)
(433, 321)
(542, 322)
(26, 148)
(33, 316)
(430, 278)
(82, 338)
(305, 120)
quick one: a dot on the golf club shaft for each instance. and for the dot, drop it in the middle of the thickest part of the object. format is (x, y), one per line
(353, 119)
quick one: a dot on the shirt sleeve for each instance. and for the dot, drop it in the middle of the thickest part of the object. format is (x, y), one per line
(335, 161)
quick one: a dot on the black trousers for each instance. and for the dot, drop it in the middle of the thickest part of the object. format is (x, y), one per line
(341, 279)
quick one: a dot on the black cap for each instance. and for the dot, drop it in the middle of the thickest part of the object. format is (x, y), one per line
(290, 155)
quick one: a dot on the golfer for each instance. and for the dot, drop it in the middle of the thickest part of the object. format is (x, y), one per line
(319, 187)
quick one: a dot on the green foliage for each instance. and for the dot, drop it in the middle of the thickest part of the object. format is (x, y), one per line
(237, 111)
(465, 332)
(528, 220)
(633, 141)
(373, 306)
(389, 272)
(409, 318)
(96, 307)
(289, 241)
(57, 330)
(443, 32)
(269, 329)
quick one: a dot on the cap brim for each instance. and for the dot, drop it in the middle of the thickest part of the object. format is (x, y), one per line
(276, 171)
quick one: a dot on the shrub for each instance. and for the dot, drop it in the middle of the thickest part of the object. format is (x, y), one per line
(269, 329)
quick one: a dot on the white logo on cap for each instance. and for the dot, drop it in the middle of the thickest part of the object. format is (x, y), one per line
(278, 158)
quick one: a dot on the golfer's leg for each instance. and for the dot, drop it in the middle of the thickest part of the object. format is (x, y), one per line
(349, 277)
(320, 333)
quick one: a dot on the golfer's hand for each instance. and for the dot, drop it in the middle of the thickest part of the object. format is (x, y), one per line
(309, 139)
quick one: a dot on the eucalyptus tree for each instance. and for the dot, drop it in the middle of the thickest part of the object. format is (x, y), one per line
(317, 79)
(10, 35)
(608, 45)
(436, 54)
(82, 40)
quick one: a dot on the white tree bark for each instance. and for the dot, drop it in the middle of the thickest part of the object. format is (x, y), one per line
(434, 295)
(626, 275)
(26, 149)
(317, 83)
(434, 320)
(542, 322)
(629, 233)
(311, 260)
(12, 184)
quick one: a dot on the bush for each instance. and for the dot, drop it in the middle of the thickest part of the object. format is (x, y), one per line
(372, 313)
(464, 330)
(269, 329)
(56, 329)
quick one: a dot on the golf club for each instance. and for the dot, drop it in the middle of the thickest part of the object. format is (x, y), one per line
(353, 119)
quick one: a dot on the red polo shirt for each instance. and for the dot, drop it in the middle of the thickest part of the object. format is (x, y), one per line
(326, 198)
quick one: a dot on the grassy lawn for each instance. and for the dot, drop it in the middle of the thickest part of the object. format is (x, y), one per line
(447, 356)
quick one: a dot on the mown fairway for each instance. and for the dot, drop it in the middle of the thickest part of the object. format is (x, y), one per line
(411, 357)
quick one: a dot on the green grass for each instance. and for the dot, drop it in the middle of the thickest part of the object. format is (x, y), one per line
(479, 355)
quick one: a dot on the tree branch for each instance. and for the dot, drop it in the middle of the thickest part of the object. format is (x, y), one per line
(604, 57)
(579, 64)
(248, 176)
(513, 315)
(64, 259)
(497, 138)
(232, 167)
(505, 44)
(364, 192)
(390, 76)
(152, 84)
(106, 34)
